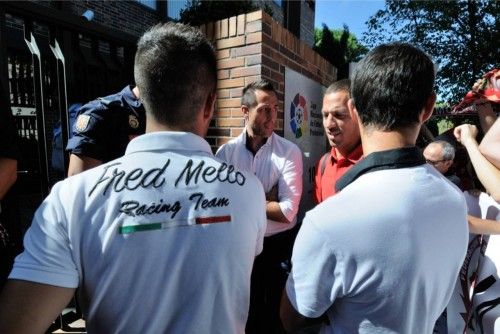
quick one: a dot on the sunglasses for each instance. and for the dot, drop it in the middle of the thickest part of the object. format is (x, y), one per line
(434, 162)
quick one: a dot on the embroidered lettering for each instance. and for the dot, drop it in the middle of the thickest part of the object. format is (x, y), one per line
(204, 203)
(119, 180)
(225, 173)
(134, 208)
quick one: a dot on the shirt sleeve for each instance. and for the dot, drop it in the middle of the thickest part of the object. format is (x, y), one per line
(47, 256)
(221, 153)
(317, 276)
(290, 185)
(262, 218)
(317, 182)
(90, 131)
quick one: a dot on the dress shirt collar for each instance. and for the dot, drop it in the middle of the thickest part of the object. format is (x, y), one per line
(244, 138)
(353, 156)
(130, 98)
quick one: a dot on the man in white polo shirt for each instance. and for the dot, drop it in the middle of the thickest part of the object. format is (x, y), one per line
(277, 163)
(382, 255)
(161, 240)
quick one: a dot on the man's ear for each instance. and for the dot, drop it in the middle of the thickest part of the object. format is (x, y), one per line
(209, 109)
(428, 108)
(245, 110)
(448, 163)
(353, 111)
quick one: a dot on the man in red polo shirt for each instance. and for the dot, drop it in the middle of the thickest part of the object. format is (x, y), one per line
(342, 132)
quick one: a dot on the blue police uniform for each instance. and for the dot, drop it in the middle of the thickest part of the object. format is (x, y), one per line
(105, 126)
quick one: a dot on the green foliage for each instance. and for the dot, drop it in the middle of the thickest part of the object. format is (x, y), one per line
(339, 47)
(444, 124)
(355, 51)
(461, 36)
(198, 12)
(439, 124)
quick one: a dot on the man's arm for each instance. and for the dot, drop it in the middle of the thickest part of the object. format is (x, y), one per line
(483, 226)
(318, 175)
(28, 307)
(80, 163)
(293, 320)
(490, 145)
(315, 281)
(285, 207)
(8, 175)
(92, 133)
(486, 115)
(273, 210)
(488, 174)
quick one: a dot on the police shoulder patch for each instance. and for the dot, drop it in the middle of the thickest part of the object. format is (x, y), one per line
(133, 121)
(82, 122)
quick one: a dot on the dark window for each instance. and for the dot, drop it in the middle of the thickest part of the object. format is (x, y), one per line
(292, 17)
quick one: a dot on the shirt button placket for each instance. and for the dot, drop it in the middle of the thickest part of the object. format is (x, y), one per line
(254, 162)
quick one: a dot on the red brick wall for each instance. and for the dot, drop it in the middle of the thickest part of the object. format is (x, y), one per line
(250, 47)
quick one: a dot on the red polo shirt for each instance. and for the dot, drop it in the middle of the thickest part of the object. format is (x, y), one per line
(324, 185)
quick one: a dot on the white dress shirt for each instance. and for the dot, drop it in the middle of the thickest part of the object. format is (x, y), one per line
(278, 161)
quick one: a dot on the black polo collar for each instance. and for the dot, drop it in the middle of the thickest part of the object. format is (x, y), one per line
(391, 159)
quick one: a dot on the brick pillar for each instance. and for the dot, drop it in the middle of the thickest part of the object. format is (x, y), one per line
(250, 47)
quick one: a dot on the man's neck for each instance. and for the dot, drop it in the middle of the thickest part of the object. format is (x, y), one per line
(374, 140)
(135, 91)
(154, 126)
(254, 143)
(345, 152)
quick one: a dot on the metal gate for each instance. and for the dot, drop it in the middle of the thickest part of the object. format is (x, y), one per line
(49, 62)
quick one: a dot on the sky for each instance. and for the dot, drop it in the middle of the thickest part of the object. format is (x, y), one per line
(354, 13)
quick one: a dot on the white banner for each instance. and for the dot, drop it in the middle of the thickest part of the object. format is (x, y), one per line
(303, 125)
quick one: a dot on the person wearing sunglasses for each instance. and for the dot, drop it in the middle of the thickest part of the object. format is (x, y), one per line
(441, 154)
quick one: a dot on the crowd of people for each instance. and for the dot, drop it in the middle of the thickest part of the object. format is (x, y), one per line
(156, 234)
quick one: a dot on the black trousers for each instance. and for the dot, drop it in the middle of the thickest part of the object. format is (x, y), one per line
(269, 276)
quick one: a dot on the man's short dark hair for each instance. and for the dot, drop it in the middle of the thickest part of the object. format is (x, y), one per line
(248, 98)
(391, 85)
(343, 85)
(175, 71)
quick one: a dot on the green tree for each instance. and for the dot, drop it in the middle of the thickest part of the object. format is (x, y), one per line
(339, 47)
(355, 50)
(461, 36)
(198, 12)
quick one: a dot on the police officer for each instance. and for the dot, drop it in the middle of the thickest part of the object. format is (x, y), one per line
(103, 129)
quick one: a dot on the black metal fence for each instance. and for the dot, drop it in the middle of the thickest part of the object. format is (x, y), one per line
(49, 62)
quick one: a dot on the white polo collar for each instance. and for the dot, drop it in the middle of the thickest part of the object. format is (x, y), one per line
(168, 140)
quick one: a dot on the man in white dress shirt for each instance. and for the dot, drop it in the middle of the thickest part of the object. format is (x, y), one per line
(277, 163)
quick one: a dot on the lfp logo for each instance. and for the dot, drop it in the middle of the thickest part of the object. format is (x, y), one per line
(298, 115)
